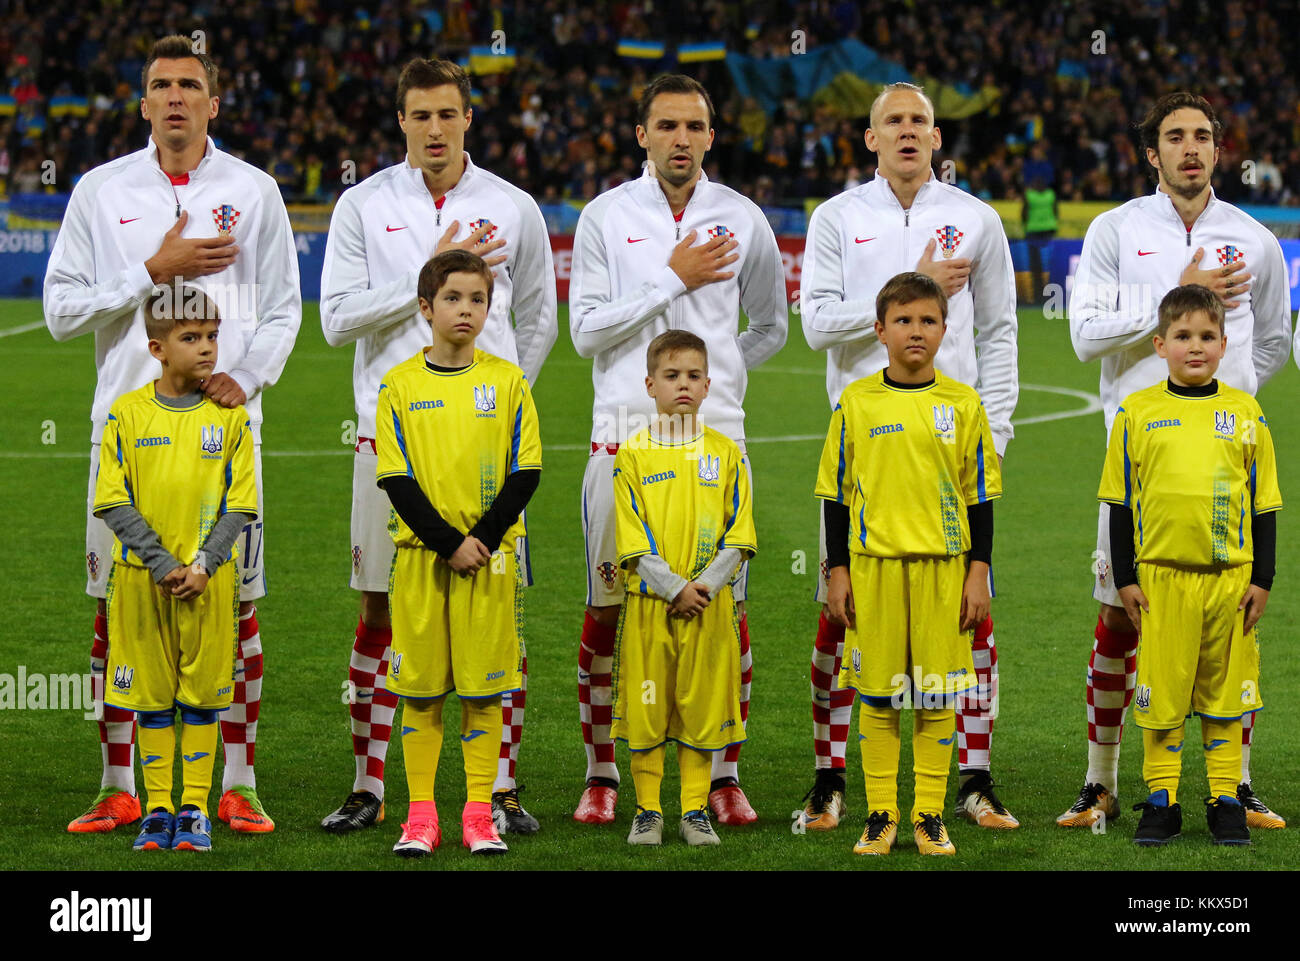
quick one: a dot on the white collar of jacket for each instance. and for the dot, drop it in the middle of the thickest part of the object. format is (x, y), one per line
(650, 182)
(414, 177)
(209, 151)
(881, 183)
(1165, 205)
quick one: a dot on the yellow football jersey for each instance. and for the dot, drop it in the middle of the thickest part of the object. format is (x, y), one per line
(180, 468)
(1194, 470)
(683, 501)
(908, 462)
(460, 434)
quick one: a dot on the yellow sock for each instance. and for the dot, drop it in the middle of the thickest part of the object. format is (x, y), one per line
(647, 775)
(696, 767)
(480, 735)
(198, 751)
(157, 748)
(880, 746)
(421, 745)
(933, 732)
(1162, 760)
(1222, 755)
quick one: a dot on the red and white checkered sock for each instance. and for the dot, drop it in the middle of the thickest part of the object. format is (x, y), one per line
(1247, 735)
(724, 762)
(116, 726)
(978, 707)
(595, 696)
(239, 724)
(512, 731)
(372, 706)
(1112, 675)
(832, 708)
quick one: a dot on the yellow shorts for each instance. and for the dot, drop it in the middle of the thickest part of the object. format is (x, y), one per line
(1193, 656)
(165, 651)
(678, 680)
(453, 633)
(908, 637)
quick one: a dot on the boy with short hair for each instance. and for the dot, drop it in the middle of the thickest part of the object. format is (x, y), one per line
(1192, 458)
(176, 485)
(459, 457)
(908, 478)
(684, 524)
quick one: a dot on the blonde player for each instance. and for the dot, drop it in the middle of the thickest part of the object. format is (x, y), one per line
(459, 457)
(908, 219)
(176, 485)
(908, 477)
(1194, 459)
(684, 524)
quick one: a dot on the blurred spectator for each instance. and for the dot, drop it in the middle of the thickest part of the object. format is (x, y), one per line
(309, 84)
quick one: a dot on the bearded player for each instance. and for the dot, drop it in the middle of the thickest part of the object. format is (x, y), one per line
(671, 249)
(1132, 256)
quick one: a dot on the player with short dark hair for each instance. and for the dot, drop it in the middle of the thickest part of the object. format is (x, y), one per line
(178, 208)
(459, 456)
(905, 219)
(1132, 256)
(382, 233)
(671, 249)
(176, 485)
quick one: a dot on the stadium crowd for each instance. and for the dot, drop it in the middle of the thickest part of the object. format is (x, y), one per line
(307, 89)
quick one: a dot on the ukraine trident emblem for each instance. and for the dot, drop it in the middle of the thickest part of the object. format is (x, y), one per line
(949, 240)
(225, 217)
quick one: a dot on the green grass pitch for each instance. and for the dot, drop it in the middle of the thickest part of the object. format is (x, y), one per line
(1044, 615)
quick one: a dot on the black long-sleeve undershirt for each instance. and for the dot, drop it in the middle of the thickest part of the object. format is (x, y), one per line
(980, 517)
(1263, 532)
(433, 530)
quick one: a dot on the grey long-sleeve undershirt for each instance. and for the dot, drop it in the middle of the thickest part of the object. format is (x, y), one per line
(136, 535)
(665, 583)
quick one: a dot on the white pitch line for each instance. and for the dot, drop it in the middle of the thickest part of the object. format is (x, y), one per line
(22, 328)
(1091, 405)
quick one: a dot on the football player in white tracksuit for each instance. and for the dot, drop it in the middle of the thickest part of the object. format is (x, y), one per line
(907, 219)
(1132, 256)
(382, 233)
(178, 208)
(671, 249)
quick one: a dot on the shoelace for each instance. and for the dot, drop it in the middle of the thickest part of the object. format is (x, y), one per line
(645, 820)
(1248, 799)
(698, 817)
(987, 794)
(1088, 797)
(355, 802)
(933, 827)
(511, 801)
(877, 824)
(821, 792)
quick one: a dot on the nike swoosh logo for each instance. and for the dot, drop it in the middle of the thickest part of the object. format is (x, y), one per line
(863, 240)
(194, 757)
(249, 580)
(583, 676)
(1147, 253)
(471, 735)
(123, 220)
(637, 241)
(393, 229)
